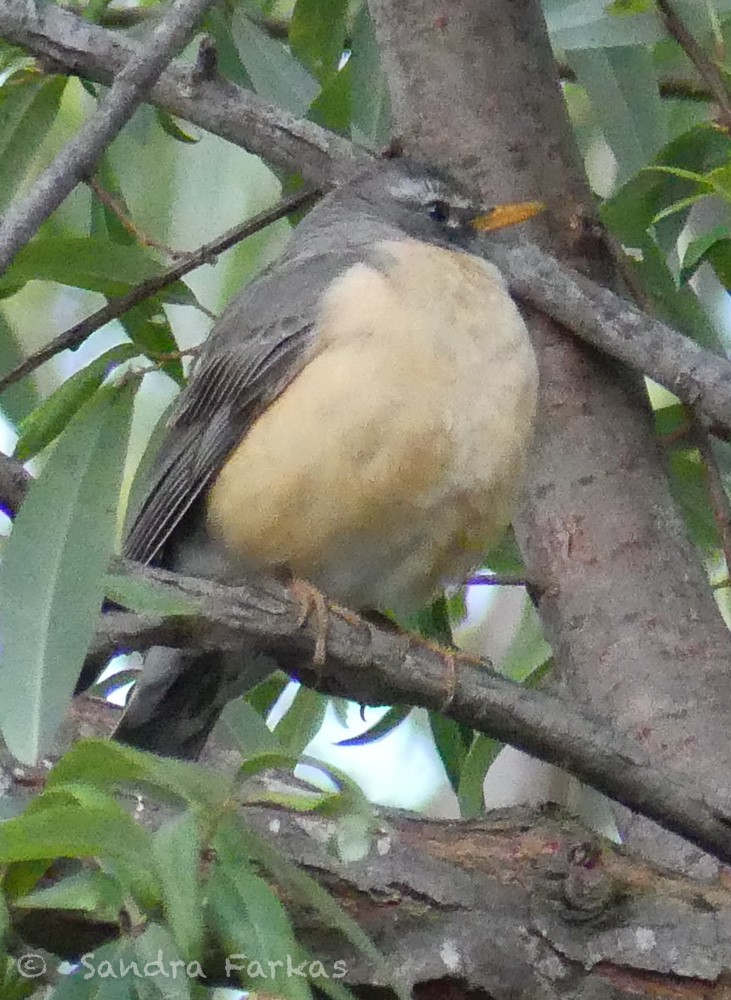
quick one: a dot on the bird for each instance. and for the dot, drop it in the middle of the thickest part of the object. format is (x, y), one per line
(358, 418)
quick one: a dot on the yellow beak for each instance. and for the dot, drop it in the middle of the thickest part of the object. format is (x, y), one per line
(507, 215)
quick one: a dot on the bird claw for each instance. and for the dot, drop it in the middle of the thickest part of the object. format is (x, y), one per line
(313, 601)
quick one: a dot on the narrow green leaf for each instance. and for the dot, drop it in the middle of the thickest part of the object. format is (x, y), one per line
(97, 264)
(275, 73)
(480, 757)
(89, 890)
(302, 722)
(46, 422)
(317, 35)
(250, 919)
(697, 250)
(177, 848)
(51, 578)
(17, 400)
(170, 127)
(148, 326)
(168, 971)
(265, 695)
(622, 85)
(391, 720)
(248, 729)
(678, 206)
(371, 123)
(104, 764)
(452, 742)
(67, 831)
(310, 893)
(148, 597)
(27, 112)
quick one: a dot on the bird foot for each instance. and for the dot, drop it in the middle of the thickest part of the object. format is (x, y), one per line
(313, 601)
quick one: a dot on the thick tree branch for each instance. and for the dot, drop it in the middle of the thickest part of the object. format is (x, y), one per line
(377, 667)
(79, 156)
(617, 328)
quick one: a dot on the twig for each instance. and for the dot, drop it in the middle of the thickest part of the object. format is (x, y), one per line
(375, 666)
(670, 87)
(707, 69)
(146, 289)
(77, 159)
(116, 207)
(717, 495)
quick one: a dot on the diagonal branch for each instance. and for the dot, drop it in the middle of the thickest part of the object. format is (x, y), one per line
(376, 667)
(78, 333)
(80, 155)
(69, 44)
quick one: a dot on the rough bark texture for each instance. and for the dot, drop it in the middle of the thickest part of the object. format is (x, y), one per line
(523, 903)
(626, 605)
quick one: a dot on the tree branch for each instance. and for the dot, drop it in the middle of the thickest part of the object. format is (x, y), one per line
(376, 667)
(707, 69)
(79, 156)
(78, 333)
(617, 328)
(70, 44)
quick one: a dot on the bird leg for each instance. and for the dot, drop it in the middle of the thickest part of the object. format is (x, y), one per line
(313, 601)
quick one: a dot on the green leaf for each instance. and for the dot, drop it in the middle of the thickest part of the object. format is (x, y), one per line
(275, 73)
(104, 764)
(371, 125)
(177, 850)
(478, 760)
(46, 422)
(452, 741)
(247, 728)
(302, 722)
(621, 8)
(332, 108)
(88, 890)
(17, 400)
(622, 86)
(51, 578)
(317, 35)
(89, 262)
(67, 831)
(27, 112)
(265, 695)
(697, 250)
(147, 597)
(147, 326)
(391, 720)
(170, 127)
(166, 969)
(310, 893)
(249, 918)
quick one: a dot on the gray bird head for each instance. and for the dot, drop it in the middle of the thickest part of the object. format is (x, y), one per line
(427, 204)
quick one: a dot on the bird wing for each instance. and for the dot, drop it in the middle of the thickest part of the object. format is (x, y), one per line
(258, 345)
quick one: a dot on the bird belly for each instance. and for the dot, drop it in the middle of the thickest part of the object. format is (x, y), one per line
(392, 461)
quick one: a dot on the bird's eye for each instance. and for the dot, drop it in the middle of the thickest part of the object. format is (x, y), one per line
(438, 210)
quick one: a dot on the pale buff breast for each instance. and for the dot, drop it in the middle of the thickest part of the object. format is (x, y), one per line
(393, 460)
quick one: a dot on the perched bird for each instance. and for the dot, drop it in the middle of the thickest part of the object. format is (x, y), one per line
(359, 417)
